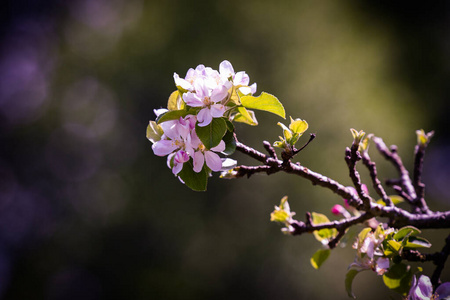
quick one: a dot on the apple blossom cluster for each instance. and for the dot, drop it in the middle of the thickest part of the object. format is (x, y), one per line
(209, 89)
(197, 125)
(180, 143)
(370, 252)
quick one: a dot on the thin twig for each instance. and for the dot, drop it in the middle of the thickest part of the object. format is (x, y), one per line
(375, 181)
(352, 156)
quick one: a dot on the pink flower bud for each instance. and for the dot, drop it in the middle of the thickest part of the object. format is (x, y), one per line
(337, 210)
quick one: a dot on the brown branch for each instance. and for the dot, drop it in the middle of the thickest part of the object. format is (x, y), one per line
(270, 149)
(391, 154)
(341, 226)
(352, 156)
(419, 186)
(399, 217)
(374, 176)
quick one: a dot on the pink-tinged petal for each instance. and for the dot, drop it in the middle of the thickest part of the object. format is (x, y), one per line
(226, 69)
(201, 89)
(200, 69)
(220, 147)
(171, 129)
(253, 88)
(217, 110)
(199, 160)
(192, 99)
(177, 167)
(164, 147)
(169, 160)
(181, 157)
(193, 141)
(219, 93)
(443, 290)
(241, 78)
(213, 161)
(204, 117)
(424, 288)
(190, 74)
(183, 130)
(184, 84)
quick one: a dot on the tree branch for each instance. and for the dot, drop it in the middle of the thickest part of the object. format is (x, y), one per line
(398, 217)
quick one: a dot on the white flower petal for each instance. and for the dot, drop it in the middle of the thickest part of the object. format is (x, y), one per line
(164, 147)
(204, 117)
(220, 147)
(217, 110)
(226, 69)
(199, 160)
(213, 161)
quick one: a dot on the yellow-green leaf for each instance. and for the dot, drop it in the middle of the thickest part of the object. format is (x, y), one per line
(175, 102)
(154, 131)
(322, 234)
(266, 102)
(298, 126)
(286, 131)
(319, 257)
(406, 231)
(245, 116)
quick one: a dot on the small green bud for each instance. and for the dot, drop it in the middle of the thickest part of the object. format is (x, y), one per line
(423, 138)
(282, 213)
(357, 136)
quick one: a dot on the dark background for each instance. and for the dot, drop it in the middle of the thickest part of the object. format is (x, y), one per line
(88, 212)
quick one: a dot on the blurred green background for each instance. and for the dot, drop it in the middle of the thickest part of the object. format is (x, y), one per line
(88, 212)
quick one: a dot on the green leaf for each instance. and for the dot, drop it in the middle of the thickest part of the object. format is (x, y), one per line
(230, 143)
(230, 126)
(245, 116)
(212, 134)
(406, 231)
(349, 280)
(327, 233)
(398, 278)
(320, 257)
(173, 115)
(395, 246)
(417, 242)
(266, 102)
(175, 102)
(193, 180)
